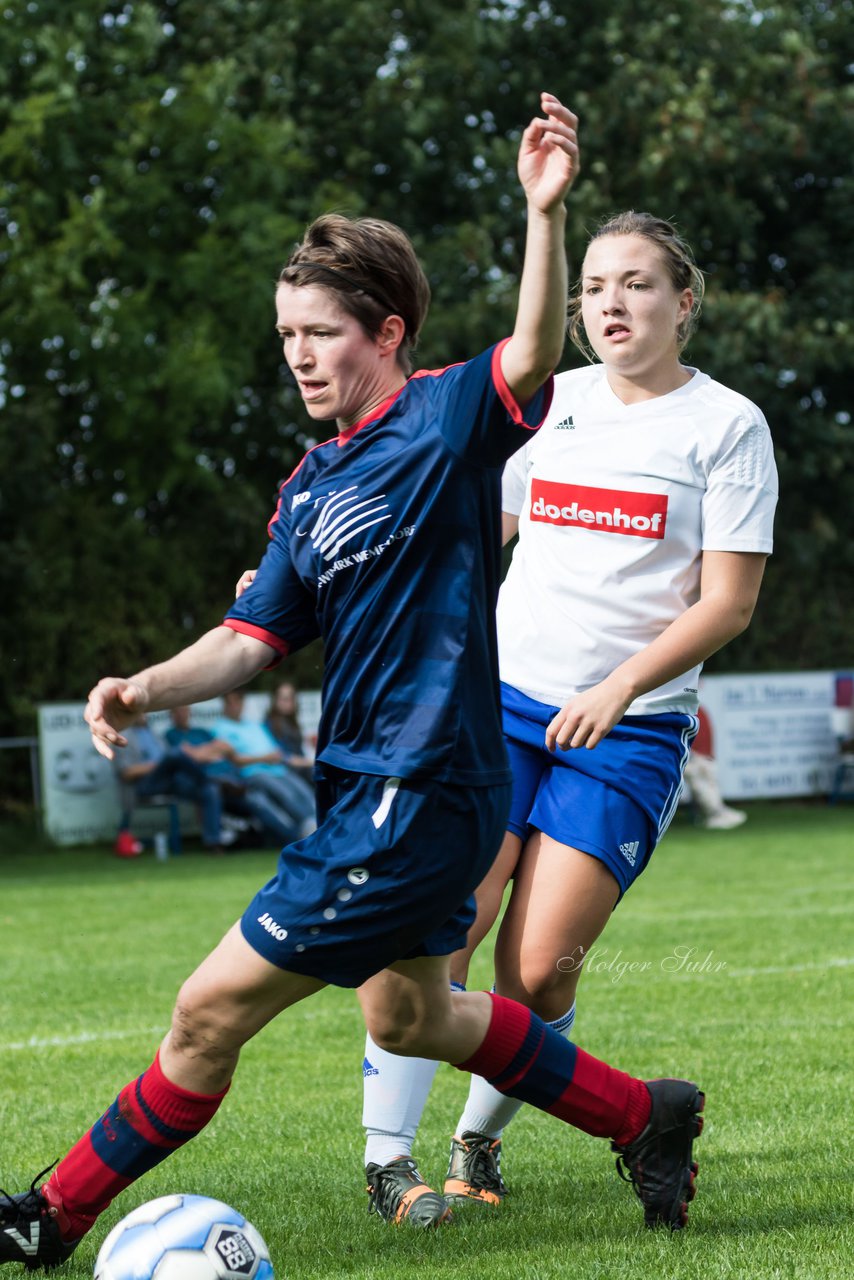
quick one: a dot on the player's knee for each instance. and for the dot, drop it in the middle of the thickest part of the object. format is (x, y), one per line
(189, 1026)
(392, 1039)
(546, 990)
(200, 1030)
(399, 1031)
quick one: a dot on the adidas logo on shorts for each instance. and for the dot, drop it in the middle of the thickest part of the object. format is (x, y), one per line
(566, 425)
(629, 850)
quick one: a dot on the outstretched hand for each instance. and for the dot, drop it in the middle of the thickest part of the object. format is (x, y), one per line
(548, 155)
(113, 704)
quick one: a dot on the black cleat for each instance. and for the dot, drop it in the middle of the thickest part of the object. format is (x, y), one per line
(474, 1170)
(399, 1194)
(658, 1163)
(29, 1230)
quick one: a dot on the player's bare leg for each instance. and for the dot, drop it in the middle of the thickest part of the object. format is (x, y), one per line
(230, 997)
(560, 902)
(232, 994)
(395, 1089)
(397, 1005)
(489, 896)
(652, 1126)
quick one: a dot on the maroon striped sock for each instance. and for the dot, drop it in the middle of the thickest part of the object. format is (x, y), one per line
(525, 1058)
(149, 1120)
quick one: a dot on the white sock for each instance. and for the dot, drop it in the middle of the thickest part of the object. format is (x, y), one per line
(394, 1093)
(488, 1111)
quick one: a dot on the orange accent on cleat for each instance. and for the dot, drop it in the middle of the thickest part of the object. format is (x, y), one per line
(454, 1189)
(474, 1170)
(399, 1194)
(409, 1198)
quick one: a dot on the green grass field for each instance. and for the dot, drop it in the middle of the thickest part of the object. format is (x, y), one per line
(731, 962)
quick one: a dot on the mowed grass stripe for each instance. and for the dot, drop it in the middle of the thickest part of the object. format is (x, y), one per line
(94, 947)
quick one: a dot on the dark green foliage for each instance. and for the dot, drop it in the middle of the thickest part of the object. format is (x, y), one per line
(158, 160)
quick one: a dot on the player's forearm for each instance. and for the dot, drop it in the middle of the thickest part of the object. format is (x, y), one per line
(219, 661)
(698, 633)
(509, 527)
(540, 329)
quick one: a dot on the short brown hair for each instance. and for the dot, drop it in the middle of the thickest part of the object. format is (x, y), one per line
(678, 259)
(371, 268)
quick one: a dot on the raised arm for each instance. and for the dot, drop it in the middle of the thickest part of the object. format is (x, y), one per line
(548, 165)
(220, 660)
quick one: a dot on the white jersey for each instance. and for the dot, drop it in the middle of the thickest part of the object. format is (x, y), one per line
(616, 502)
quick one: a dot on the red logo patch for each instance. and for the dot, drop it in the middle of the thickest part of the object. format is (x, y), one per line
(640, 515)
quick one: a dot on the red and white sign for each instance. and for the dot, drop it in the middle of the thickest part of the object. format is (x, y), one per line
(640, 515)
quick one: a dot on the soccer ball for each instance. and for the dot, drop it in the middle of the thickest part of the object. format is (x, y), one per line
(183, 1238)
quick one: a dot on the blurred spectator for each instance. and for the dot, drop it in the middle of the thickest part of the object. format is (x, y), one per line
(282, 800)
(148, 767)
(701, 774)
(217, 759)
(283, 722)
(215, 756)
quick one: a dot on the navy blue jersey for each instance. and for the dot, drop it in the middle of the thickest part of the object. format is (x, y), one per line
(386, 542)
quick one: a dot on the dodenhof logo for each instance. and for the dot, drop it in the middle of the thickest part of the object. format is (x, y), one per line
(640, 515)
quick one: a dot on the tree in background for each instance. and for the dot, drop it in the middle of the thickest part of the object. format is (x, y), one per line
(158, 160)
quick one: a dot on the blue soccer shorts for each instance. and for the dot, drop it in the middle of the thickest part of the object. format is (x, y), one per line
(614, 802)
(388, 875)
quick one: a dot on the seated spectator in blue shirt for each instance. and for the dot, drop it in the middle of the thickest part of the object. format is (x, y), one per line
(148, 767)
(240, 799)
(288, 799)
(215, 756)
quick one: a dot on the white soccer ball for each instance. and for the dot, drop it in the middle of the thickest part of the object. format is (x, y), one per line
(183, 1238)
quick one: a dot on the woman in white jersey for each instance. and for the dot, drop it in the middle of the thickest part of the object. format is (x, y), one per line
(644, 508)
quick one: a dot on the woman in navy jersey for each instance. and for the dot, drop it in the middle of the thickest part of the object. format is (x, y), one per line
(385, 542)
(644, 507)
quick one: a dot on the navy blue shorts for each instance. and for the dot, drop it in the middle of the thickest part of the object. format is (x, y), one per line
(614, 802)
(388, 875)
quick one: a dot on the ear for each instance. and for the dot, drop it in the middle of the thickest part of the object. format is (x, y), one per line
(686, 302)
(391, 334)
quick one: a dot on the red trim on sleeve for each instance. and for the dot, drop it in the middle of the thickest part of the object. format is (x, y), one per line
(258, 633)
(511, 404)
